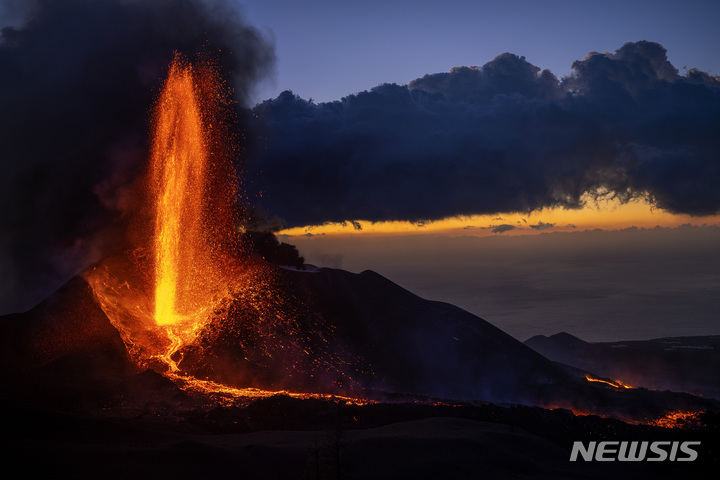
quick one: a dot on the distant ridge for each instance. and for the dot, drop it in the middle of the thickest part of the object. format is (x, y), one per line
(684, 364)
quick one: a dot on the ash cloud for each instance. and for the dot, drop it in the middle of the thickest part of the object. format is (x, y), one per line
(504, 137)
(77, 80)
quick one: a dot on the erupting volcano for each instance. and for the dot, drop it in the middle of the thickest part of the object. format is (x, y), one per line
(190, 321)
(191, 300)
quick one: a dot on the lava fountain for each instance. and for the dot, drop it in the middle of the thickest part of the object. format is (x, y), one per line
(189, 188)
(179, 161)
(189, 299)
(185, 265)
(184, 271)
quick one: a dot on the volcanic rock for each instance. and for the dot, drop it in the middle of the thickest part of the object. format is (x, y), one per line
(64, 349)
(419, 346)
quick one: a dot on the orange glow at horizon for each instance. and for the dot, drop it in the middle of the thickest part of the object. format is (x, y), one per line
(605, 215)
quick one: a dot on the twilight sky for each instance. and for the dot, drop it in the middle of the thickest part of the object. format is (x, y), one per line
(328, 49)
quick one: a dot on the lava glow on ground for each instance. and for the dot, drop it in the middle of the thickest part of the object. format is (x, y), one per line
(613, 383)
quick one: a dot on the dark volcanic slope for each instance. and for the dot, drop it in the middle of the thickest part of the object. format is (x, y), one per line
(375, 336)
(64, 348)
(419, 346)
(366, 330)
(683, 364)
(326, 331)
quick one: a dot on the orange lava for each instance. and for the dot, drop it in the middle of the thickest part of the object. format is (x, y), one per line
(613, 383)
(187, 271)
(178, 163)
(678, 419)
(232, 396)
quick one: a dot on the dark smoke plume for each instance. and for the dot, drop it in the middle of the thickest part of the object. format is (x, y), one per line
(77, 80)
(504, 137)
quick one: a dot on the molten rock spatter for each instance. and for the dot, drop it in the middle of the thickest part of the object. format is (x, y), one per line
(185, 180)
(161, 294)
(189, 301)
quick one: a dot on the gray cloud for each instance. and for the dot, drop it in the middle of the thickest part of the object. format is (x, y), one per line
(503, 137)
(503, 228)
(542, 226)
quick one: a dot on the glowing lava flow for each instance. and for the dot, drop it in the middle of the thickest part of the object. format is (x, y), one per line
(679, 419)
(613, 383)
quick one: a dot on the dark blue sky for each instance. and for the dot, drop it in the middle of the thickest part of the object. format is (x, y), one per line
(328, 49)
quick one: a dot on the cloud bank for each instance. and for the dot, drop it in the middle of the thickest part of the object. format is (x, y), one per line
(504, 137)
